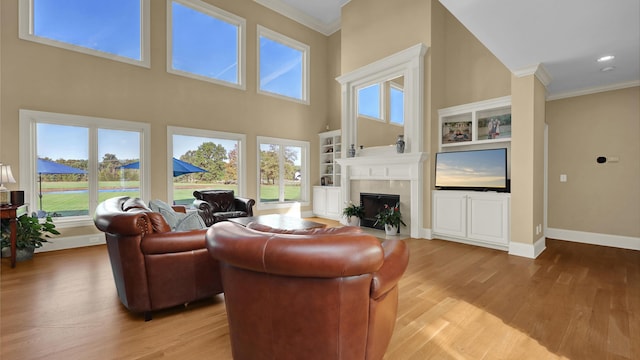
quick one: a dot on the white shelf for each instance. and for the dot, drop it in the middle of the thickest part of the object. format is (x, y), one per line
(330, 150)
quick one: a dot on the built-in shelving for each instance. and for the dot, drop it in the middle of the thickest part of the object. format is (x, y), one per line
(330, 150)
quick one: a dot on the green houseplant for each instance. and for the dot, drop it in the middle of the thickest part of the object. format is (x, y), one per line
(353, 213)
(31, 234)
(391, 218)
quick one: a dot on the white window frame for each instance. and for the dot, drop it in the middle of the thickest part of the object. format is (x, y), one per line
(242, 158)
(221, 15)
(26, 32)
(304, 165)
(306, 69)
(28, 154)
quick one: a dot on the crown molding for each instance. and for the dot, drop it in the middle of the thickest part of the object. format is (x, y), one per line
(301, 17)
(594, 90)
(538, 70)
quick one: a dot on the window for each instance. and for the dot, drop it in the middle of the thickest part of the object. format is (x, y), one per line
(283, 66)
(205, 43)
(114, 29)
(369, 103)
(396, 105)
(283, 171)
(58, 175)
(218, 158)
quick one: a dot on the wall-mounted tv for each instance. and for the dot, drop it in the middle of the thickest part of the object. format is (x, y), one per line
(481, 170)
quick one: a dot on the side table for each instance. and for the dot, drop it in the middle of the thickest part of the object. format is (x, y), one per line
(12, 212)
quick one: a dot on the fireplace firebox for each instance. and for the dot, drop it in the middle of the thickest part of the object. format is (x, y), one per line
(373, 204)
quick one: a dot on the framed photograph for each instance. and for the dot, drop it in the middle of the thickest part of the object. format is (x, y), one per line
(494, 127)
(456, 132)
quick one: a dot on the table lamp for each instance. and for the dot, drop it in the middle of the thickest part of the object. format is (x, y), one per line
(5, 177)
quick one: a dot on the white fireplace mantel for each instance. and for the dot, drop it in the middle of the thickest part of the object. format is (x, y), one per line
(380, 164)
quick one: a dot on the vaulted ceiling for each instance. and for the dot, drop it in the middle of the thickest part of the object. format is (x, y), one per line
(566, 37)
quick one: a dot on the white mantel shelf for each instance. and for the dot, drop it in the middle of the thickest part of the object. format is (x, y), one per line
(383, 167)
(381, 164)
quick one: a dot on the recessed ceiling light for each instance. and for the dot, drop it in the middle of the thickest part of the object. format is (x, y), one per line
(608, 68)
(606, 58)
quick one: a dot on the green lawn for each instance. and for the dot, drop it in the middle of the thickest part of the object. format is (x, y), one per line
(73, 197)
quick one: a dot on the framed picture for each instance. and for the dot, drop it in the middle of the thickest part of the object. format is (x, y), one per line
(494, 127)
(456, 132)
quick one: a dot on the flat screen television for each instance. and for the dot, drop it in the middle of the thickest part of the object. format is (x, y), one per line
(479, 170)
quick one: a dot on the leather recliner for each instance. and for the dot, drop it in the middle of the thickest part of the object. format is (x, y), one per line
(219, 205)
(312, 294)
(153, 267)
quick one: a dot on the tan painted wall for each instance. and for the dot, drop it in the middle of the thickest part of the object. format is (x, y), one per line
(45, 78)
(335, 69)
(597, 198)
(527, 158)
(473, 73)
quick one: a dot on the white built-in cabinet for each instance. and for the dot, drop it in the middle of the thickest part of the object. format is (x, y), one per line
(478, 218)
(327, 202)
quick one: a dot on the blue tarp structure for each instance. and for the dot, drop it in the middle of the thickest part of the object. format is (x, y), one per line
(179, 167)
(50, 167)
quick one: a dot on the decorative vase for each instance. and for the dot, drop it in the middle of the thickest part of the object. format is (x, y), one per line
(390, 229)
(400, 144)
(21, 254)
(353, 221)
(352, 151)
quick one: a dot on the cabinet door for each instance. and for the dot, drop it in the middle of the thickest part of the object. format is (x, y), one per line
(319, 201)
(333, 202)
(487, 219)
(449, 213)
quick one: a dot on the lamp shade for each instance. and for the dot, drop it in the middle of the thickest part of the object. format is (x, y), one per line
(6, 176)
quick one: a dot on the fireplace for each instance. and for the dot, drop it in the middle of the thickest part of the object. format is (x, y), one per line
(373, 204)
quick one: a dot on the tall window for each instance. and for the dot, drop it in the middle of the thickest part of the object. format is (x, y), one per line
(283, 66)
(205, 43)
(67, 179)
(369, 103)
(114, 29)
(205, 159)
(283, 170)
(396, 105)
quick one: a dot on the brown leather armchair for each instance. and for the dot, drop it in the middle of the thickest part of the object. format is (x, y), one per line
(219, 205)
(153, 267)
(316, 294)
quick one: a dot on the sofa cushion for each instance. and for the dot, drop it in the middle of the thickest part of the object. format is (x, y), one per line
(220, 200)
(134, 203)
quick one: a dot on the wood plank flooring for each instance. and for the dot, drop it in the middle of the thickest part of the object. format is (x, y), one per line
(457, 301)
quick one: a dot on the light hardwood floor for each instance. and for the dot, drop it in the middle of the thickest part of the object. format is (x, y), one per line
(457, 301)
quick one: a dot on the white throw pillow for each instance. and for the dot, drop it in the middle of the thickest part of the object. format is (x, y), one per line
(171, 217)
(192, 221)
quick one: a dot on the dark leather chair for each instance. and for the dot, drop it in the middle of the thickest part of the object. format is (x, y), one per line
(153, 267)
(315, 294)
(219, 205)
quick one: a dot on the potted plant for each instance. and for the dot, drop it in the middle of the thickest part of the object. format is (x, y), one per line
(31, 234)
(391, 218)
(353, 213)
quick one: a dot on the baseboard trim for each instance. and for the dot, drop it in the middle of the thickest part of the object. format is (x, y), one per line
(71, 242)
(530, 251)
(623, 242)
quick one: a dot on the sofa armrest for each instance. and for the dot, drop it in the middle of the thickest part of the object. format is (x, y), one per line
(244, 204)
(205, 210)
(396, 259)
(173, 242)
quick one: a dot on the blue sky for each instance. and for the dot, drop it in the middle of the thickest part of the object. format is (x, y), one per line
(472, 168)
